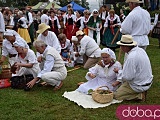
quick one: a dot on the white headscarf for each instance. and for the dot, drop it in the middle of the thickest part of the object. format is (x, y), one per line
(110, 52)
(20, 43)
(95, 10)
(9, 32)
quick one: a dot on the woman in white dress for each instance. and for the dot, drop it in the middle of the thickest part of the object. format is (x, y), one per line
(102, 75)
(26, 62)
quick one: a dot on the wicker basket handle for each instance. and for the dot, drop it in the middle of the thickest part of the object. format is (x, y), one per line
(101, 87)
(8, 63)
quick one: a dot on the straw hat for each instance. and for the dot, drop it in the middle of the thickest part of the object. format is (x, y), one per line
(127, 40)
(42, 27)
(80, 32)
(134, 1)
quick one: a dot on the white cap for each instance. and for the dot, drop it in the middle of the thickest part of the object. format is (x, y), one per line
(110, 52)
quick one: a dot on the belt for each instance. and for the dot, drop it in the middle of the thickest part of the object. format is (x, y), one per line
(147, 84)
(12, 55)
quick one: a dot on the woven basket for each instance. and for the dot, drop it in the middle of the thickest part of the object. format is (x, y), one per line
(5, 73)
(100, 96)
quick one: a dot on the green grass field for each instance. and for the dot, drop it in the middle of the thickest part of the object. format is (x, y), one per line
(42, 103)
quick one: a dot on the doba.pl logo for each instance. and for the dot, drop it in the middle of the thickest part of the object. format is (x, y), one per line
(138, 112)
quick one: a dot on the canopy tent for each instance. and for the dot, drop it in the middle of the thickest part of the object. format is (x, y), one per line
(75, 7)
(45, 5)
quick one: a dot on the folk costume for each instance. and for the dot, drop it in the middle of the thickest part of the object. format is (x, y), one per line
(78, 25)
(53, 70)
(85, 21)
(89, 49)
(138, 24)
(136, 73)
(94, 23)
(69, 22)
(61, 19)
(23, 29)
(51, 38)
(110, 31)
(105, 76)
(54, 24)
(156, 28)
(30, 25)
(7, 47)
(30, 58)
(65, 49)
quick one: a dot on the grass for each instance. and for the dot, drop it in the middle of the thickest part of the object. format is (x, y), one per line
(41, 103)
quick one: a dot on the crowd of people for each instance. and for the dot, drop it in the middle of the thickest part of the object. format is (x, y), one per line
(60, 38)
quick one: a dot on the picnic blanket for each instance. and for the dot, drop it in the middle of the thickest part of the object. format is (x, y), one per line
(84, 100)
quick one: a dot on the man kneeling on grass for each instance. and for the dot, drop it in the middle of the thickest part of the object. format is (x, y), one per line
(53, 70)
(136, 73)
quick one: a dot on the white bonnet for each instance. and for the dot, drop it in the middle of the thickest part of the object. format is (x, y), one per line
(20, 43)
(9, 32)
(110, 52)
(95, 10)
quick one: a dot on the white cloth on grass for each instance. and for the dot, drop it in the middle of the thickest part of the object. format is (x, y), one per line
(86, 101)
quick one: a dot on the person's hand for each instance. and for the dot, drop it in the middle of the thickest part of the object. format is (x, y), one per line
(39, 59)
(32, 83)
(116, 70)
(101, 64)
(13, 68)
(64, 58)
(91, 75)
(18, 64)
(115, 83)
(77, 54)
(113, 26)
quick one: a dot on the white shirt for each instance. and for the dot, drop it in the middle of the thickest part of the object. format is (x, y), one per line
(51, 40)
(30, 18)
(48, 64)
(2, 25)
(7, 47)
(24, 20)
(137, 70)
(29, 58)
(45, 19)
(89, 47)
(137, 24)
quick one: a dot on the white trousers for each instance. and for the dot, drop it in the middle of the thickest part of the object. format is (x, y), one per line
(25, 71)
(55, 77)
